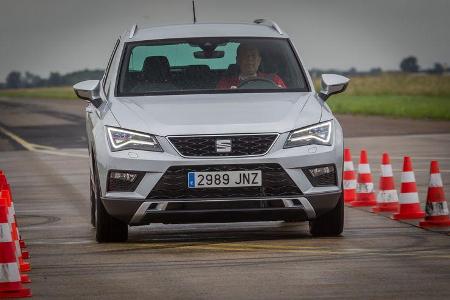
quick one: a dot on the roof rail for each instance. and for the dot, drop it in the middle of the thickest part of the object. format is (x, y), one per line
(133, 31)
(269, 23)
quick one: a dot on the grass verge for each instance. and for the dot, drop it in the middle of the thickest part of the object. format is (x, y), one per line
(47, 93)
(415, 107)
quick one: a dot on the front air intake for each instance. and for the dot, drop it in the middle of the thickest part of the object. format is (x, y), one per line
(323, 175)
(123, 181)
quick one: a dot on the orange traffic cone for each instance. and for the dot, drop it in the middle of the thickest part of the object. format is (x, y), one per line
(10, 279)
(349, 177)
(10, 204)
(365, 195)
(6, 201)
(409, 199)
(436, 208)
(387, 198)
(6, 193)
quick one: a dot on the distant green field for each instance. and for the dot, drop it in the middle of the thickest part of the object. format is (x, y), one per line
(414, 107)
(399, 84)
(394, 95)
(48, 93)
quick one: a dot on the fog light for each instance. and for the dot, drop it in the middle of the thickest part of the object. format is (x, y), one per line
(315, 172)
(125, 176)
(123, 181)
(324, 175)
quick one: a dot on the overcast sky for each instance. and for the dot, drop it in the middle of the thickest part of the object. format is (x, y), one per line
(67, 35)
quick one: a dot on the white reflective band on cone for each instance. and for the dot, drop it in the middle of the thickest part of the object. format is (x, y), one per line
(363, 168)
(435, 180)
(10, 215)
(348, 166)
(408, 176)
(386, 171)
(350, 184)
(436, 209)
(409, 198)
(11, 210)
(364, 187)
(9, 272)
(18, 250)
(5, 233)
(387, 196)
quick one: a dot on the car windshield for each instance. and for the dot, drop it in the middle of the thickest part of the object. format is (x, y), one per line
(210, 65)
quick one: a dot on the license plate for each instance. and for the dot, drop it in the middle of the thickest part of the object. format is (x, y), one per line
(224, 179)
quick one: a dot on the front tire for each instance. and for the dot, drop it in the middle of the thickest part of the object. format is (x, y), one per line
(331, 223)
(108, 229)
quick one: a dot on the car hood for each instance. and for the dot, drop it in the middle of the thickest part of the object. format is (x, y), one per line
(217, 113)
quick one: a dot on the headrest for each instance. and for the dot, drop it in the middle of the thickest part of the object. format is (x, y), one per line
(156, 68)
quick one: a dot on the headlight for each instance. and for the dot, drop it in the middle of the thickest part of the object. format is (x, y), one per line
(319, 134)
(122, 139)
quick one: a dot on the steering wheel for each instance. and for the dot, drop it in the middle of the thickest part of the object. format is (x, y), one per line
(257, 83)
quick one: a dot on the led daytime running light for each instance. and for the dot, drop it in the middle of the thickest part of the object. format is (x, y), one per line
(131, 141)
(310, 136)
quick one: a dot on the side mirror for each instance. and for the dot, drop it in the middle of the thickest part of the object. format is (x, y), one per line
(332, 84)
(89, 90)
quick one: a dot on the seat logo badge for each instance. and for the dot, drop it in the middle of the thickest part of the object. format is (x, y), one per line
(223, 146)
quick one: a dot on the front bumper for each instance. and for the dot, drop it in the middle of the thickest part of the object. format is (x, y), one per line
(135, 207)
(301, 208)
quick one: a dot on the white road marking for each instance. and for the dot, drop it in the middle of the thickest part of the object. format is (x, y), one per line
(39, 148)
(59, 242)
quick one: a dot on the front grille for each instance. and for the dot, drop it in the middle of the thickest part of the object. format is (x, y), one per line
(241, 145)
(275, 183)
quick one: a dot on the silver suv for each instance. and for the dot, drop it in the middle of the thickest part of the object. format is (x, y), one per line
(211, 123)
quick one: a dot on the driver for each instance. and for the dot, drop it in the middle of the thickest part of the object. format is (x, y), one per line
(248, 60)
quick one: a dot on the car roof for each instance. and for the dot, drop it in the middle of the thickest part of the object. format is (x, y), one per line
(270, 30)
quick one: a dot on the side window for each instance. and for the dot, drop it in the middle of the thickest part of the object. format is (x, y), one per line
(107, 76)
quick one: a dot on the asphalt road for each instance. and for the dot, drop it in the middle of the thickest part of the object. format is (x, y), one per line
(375, 258)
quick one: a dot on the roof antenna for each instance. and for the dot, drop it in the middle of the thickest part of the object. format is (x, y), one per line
(193, 11)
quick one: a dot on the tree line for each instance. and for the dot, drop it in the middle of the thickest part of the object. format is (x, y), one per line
(407, 65)
(410, 65)
(16, 80)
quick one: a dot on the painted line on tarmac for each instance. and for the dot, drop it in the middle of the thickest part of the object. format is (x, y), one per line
(22, 142)
(243, 247)
(62, 153)
(38, 148)
(251, 248)
(56, 242)
(247, 249)
(314, 250)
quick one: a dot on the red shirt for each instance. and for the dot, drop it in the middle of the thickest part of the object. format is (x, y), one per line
(228, 82)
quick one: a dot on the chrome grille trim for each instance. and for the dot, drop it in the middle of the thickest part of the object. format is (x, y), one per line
(277, 135)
